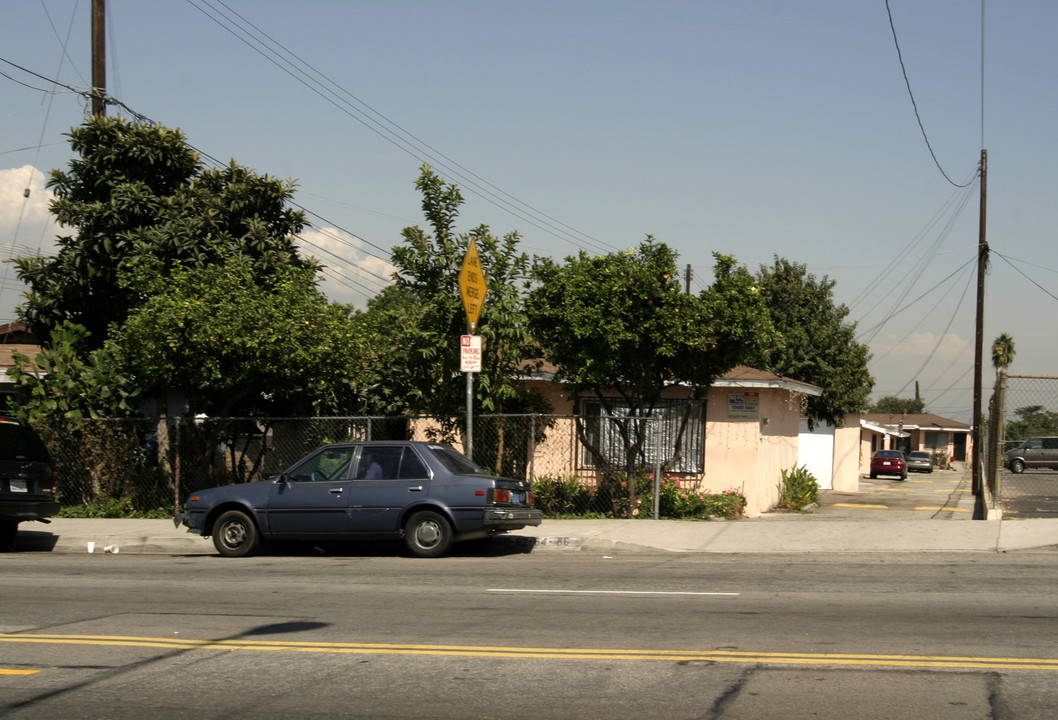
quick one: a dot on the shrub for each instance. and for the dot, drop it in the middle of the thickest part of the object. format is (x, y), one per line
(798, 489)
(563, 496)
(112, 508)
(678, 501)
(569, 497)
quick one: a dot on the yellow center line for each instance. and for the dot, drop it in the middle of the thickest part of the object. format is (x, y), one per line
(731, 656)
(12, 671)
(861, 505)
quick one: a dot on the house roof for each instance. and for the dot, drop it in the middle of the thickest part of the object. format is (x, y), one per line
(747, 377)
(916, 421)
(739, 377)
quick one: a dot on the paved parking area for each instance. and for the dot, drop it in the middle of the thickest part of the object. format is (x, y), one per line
(1032, 494)
(940, 495)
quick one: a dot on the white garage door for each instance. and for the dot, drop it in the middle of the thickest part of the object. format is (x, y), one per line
(815, 450)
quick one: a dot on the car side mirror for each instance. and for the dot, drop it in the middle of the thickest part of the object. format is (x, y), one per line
(281, 479)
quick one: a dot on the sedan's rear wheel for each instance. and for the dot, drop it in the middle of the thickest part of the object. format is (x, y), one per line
(427, 534)
(234, 534)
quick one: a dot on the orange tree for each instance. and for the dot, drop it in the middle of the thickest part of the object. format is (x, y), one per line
(619, 330)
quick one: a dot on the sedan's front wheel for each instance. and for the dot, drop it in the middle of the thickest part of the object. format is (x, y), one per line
(1017, 466)
(234, 534)
(427, 534)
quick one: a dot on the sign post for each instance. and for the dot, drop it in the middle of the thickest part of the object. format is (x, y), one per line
(473, 289)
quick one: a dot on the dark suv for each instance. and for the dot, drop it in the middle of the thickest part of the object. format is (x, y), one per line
(27, 479)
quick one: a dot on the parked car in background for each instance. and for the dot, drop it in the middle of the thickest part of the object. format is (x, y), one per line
(889, 462)
(27, 479)
(428, 494)
(919, 461)
(1035, 452)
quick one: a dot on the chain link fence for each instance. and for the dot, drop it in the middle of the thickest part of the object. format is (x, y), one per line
(1022, 446)
(578, 465)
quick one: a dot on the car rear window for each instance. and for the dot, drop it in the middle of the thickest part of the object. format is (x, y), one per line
(455, 462)
(19, 442)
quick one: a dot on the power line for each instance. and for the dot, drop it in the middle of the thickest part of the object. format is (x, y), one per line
(914, 104)
(1018, 270)
(351, 105)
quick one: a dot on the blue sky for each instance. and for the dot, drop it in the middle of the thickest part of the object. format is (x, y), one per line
(749, 128)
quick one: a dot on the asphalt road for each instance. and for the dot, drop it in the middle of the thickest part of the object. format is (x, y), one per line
(563, 635)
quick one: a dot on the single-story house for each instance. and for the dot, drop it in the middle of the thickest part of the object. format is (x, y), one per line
(742, 436)
(921, 431)
(14, 337)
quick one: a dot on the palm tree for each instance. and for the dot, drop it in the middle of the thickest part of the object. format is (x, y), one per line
(1002, 352)
(1002, 356)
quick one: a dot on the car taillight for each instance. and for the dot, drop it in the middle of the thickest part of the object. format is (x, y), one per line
(501, 496)
(532, 498)
(54, 481)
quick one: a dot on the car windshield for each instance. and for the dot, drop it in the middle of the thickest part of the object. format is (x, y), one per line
(889, 453)
(920, 455)
(454, 461)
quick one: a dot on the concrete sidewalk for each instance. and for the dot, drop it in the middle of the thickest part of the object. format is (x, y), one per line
(758, 535)
(928, 513)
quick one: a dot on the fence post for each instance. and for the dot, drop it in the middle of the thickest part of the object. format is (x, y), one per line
(1001, 432)
(532, 449)
(657, 468)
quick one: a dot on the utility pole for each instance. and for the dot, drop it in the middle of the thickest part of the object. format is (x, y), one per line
(982, 266)
(99, 58)
(688, 281)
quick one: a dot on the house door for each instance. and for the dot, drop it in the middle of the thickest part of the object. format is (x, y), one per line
(960, 447)
(815, 450)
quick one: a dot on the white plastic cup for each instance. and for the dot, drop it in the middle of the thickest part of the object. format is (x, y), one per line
(91, 547)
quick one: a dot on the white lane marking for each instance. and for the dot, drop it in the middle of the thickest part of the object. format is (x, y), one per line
(606, 592)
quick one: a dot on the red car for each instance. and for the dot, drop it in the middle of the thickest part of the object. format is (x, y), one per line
(889, 462)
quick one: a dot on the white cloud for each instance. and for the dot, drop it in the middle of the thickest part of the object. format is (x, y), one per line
(354, 272)
(26, 226)
(921, 345)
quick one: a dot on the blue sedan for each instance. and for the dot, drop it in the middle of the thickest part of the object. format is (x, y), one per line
(429, 494)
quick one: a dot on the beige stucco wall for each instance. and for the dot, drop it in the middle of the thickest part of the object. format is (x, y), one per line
(849, 455)
(747, 453)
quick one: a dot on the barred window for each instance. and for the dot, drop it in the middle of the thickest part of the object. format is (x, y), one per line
(602, 429)
(936, 440)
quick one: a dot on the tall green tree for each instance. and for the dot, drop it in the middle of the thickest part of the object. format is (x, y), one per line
(416, 324)
(893, 405)
(182, 280)
(619, 330)
(817, 343)
(140, 193)
(231, 344)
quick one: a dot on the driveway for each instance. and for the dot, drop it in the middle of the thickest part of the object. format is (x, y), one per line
(940, 495)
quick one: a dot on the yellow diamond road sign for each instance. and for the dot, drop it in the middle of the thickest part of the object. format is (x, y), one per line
(472, 286)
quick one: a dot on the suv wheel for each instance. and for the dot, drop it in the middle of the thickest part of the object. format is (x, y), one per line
(8, 533)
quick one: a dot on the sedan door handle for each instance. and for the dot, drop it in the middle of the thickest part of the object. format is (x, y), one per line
(335, 491)
(415, 488)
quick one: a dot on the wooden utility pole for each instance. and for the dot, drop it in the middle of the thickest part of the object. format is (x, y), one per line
(982, 266)
(99, 58)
